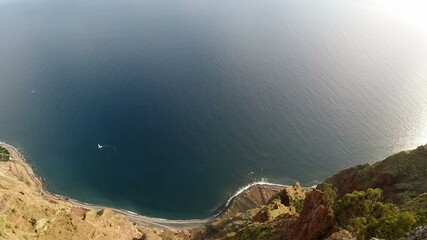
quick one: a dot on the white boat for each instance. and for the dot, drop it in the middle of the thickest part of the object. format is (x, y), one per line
(99, 146)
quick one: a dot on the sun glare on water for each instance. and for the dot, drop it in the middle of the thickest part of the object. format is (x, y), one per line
(422, 139)
(413, 12)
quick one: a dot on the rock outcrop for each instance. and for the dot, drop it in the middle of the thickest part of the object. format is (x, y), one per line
(27, 211)
(401, 177)
(290, 196)
(272, 210)
(315, 221)
(287, 201)
(419, 233)
(27, 214)
(418, 206)
(340, 234)
(254, 197)
(239, 213)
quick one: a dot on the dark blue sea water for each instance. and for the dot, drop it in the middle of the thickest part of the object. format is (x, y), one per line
(193, 99)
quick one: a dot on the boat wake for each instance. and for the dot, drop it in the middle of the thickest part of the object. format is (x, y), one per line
(161, 222)
(106, 146)
(147, 220)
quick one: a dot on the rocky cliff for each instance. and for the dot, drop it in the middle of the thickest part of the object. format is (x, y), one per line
(27, 211)
(386, 199)
(401, 177)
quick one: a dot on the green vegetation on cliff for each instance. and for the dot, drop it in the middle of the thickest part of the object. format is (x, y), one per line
(401, 177)
(418, 206)
(4, 154)
(365, 216)
(385, 200)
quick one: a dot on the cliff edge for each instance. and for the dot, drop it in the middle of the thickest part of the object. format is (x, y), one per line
(387, 199)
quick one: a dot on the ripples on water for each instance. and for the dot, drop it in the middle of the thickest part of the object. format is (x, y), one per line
(199, 98)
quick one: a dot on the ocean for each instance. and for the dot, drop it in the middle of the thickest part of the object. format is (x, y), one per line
(191, 100)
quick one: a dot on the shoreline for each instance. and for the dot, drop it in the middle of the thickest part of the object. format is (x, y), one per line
(170, 224)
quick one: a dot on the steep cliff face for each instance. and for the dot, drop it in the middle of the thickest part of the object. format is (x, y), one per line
(401, 177)
(239, 213)
(265, 221)
(384, 199)
(315, 221)
(288, 201)
(254, 197)
(260, 212)
(28, 212)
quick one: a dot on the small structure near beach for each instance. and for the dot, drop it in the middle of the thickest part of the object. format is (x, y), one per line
(4, 154)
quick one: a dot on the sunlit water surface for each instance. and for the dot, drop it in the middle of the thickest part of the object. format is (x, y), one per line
(193, 99)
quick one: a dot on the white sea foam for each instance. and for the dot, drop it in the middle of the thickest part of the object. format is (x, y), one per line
(263, 181)
(16, 150)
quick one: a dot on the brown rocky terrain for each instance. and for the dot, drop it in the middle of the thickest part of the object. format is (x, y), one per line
(268, 219)
(401, 177)
(315, 220)
(295, 213)
(27, 211)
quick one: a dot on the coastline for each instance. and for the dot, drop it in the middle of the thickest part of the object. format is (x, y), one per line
(257, 211)
(169, 224)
